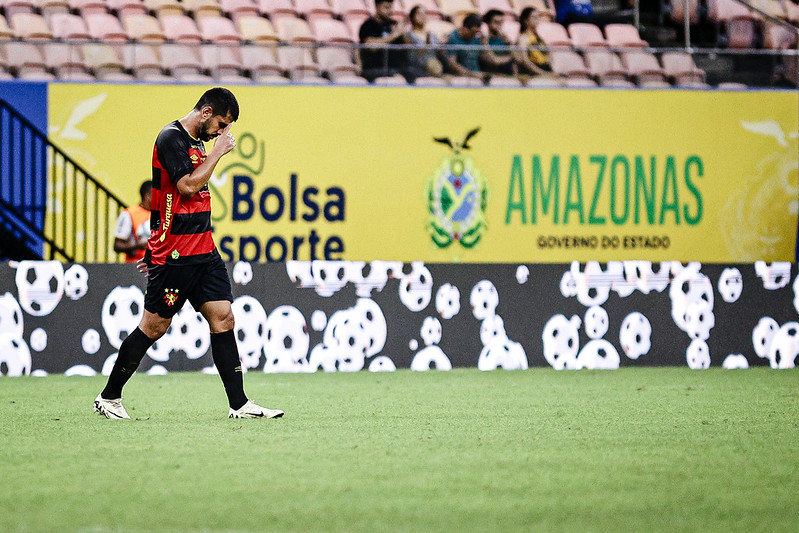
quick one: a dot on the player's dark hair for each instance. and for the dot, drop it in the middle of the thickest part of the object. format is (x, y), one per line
(221, 101)
(491, 13)
(415, 9)
(471, 21)
(145, 188)
(378, 2)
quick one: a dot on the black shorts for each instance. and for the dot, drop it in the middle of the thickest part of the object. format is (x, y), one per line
(169, 286)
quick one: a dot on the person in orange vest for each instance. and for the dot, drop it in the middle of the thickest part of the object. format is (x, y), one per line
(133, 226)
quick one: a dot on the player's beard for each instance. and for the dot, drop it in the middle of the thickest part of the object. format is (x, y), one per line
(204, 135)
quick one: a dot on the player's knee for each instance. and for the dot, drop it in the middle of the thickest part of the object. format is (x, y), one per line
(223, 322)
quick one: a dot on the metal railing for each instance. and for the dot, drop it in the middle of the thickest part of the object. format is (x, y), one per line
(49, 201)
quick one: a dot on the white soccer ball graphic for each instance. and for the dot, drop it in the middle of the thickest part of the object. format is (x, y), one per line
(561, 338)
(448, 301)
(492, 329)
(287, 340)
(242, 272)
(38, 340)
(122, 312)
(90, 341)
(40, 285)
(731, 284)
(698, 355)
(484, 299)
(11, 320)
(596, 322)
(416, 288)
(763, 335)
(250, 329)
(15, 357)
(431, 331)
(635, 335)
(76, 282)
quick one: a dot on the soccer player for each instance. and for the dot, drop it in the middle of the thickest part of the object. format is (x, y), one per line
(181, 262)
(133, 226)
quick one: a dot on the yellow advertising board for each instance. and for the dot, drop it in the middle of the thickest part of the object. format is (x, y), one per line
(472, 175)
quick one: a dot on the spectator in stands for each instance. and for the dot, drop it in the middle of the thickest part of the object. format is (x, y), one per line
(497, 58)
(379, 30)
(466, 62)
(531, 61)
(423, 61)
(569, 11)
(133, 226)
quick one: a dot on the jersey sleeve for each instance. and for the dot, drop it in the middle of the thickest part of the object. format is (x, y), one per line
(124, 226)
(173, 154)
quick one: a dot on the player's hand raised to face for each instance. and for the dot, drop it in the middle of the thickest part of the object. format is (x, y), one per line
(225, 142)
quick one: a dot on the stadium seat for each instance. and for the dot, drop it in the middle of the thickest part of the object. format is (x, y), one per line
(29, 26)
(511, 29)
(483, 6)
(236, 9)
(354, 23)
(66, 61)
(310, 79)
(541, 5)
(297, 62)
(342, 8)
(775, 8)
(261, 61)
(738, 23)
(544, 81)
(777, 37)
(792, 12)
(218, 30)
(336, 61)
(328, 30)
(504, 81)
(568, 64)
(143, 28)
(642, 66)
(465, 81)
(127, 7)
(104, 62)
(202, 8)
(276, 9)
(67, 26)
(430, 81)
(677, 11)
(553, 34)
(180, 29)
(617, 83)
(6, 33)
(274, 79)
(456, 10)
(732, 85)
(163, 8)
(579, 82)
(293, 29)
(256, 29)
(144, 61)
(350, 80)
(182, 61)
(51, 7)
(25, 61)
(311, 9)
(11, 7)
(87, 7)
(655, 84)
(584, 35)
(604, 65)
(391, 81)
(624, 36)
(224, 63)
(680, 68)
(442, 29)
(105, 27)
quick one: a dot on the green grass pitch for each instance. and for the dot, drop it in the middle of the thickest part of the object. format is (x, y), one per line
(657, 449)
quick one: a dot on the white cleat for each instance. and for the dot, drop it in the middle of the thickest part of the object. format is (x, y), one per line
(112, 409)
(252, 410)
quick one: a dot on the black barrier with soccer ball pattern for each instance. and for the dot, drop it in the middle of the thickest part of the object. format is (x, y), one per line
(349, 316)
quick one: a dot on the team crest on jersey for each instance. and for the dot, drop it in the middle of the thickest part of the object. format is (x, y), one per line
(457, 195)
(171, 296)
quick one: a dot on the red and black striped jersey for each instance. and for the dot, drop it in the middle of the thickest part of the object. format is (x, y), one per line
(181, 226)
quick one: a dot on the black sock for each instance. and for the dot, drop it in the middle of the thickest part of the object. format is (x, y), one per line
(130, 355)
(226, 358)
